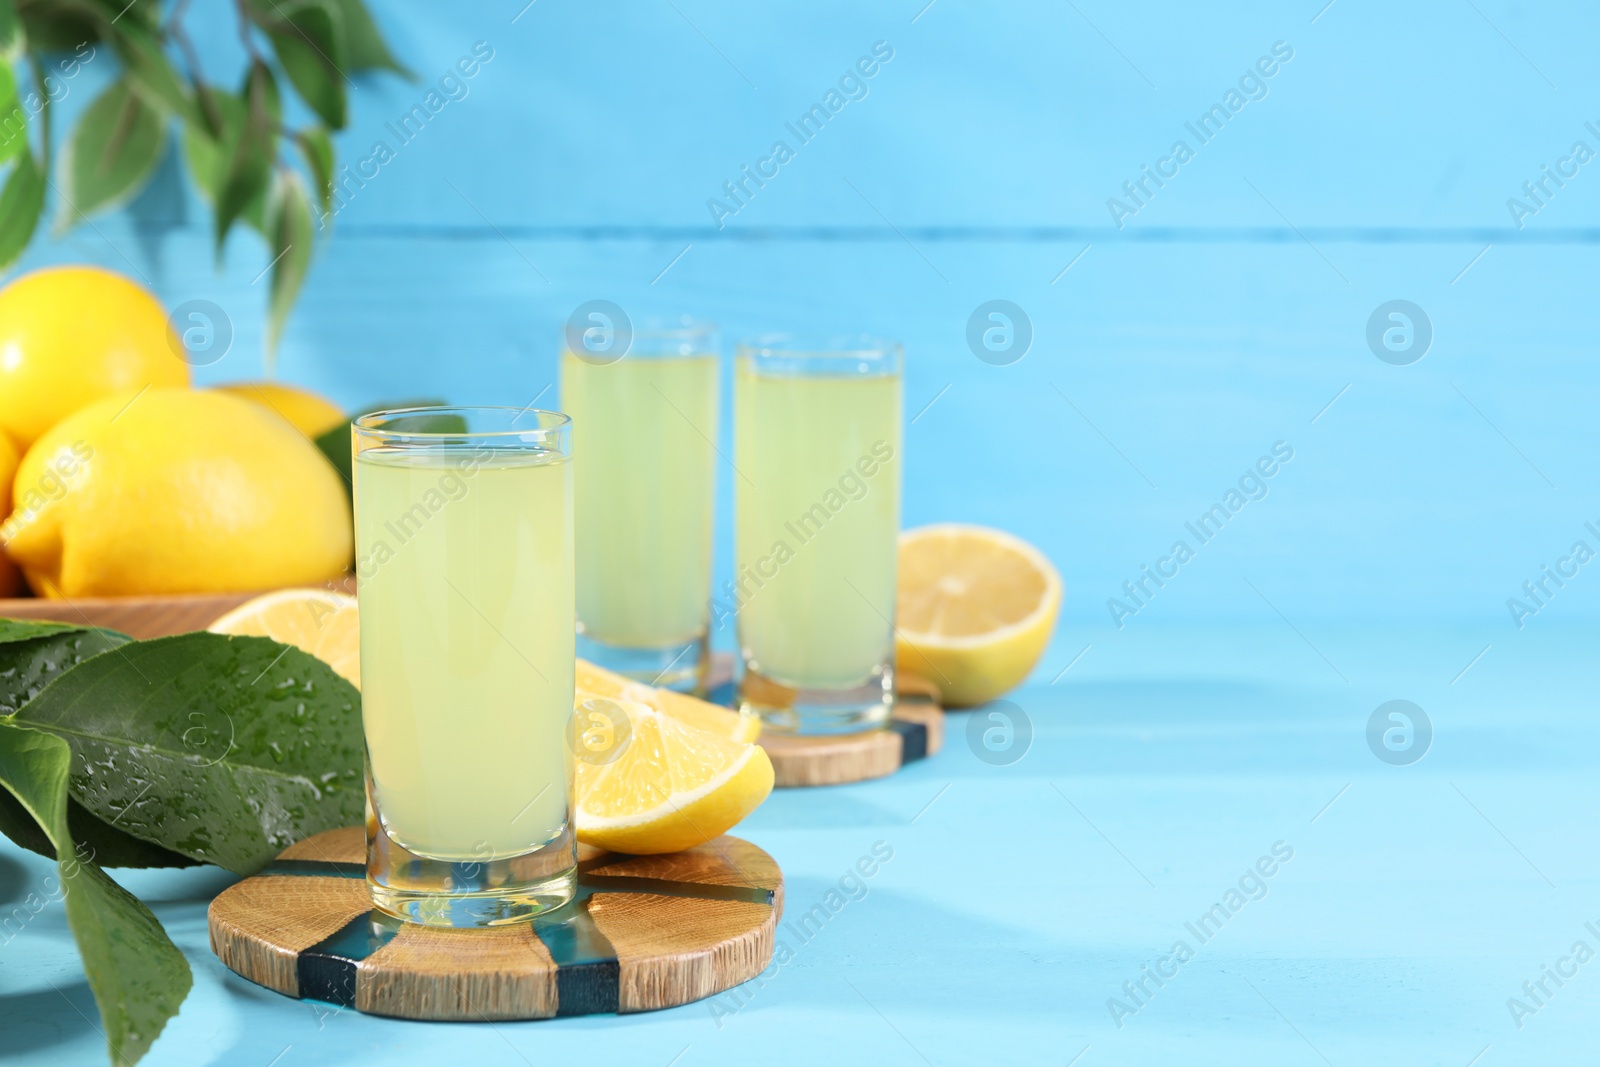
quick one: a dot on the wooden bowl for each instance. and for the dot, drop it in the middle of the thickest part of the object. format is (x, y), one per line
(139, 617)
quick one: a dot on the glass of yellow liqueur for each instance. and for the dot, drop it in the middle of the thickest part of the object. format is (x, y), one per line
(464, 551)
(644, 477)
(817, 516)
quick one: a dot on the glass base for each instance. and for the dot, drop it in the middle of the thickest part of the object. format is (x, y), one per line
(495, 891)
(683, 666)
(809, 711)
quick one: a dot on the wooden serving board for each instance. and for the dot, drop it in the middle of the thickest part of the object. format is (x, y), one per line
(644, 932)
(915, 731)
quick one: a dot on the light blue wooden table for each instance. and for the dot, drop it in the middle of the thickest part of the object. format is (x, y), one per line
(1229, 313)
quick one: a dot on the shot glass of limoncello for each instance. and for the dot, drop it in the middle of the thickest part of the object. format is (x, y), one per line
(464, 559)
(644, 411)
(817, 518)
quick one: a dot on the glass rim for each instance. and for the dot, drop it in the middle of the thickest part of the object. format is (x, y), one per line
(653, 337)
(819, 346)
(794, 355)
(548, 423)
(685, 326)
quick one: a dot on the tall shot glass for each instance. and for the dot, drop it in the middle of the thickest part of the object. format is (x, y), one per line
(817, 428)
(464, 545)
(644, 424)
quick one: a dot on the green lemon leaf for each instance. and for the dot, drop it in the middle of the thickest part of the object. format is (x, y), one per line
(111, 154)
(210, 156)
(318, 150)
(226, 749)
(21, 203)
(28, 629)
(150, 71)
(29, 663)
(289, 227)
(19, 826)
(10, 25)
(138, 976)
(307, 37)
(204, 149)
(13, 120)
(59, 29)
(364, 45)
(143, 12)
(32, 654)
(246, 177)
(96, 838)
(335, 444)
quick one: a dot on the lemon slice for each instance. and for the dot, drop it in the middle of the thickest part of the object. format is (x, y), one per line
(596, 681)
(654, 783)
(975, 608)
(317, 621)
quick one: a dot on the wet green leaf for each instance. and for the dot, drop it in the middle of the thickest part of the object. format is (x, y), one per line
(29, 663)
(32, 654)
(28, 629)
(138, 976)
(96, 838)
(226, 749)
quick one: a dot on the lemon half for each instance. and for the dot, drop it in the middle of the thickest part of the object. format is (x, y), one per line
(975, 608)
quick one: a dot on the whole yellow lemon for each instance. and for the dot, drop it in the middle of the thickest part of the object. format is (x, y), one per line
(71, 335)
(10, 577)
(175, 491)
(311, 414)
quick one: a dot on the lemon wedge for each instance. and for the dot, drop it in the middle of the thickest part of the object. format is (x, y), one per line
(648, 782)
(593, 681)
(975, 608)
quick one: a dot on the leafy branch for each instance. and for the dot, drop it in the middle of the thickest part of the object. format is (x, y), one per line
(191, 749)
(246, 162)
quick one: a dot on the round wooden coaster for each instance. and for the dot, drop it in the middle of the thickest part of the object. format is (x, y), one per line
(915, 731)
(645, 932)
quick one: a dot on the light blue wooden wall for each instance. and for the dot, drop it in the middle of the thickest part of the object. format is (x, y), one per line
(1221, 318)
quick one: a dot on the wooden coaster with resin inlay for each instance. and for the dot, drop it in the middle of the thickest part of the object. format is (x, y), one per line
(644, 932)
(915, 731)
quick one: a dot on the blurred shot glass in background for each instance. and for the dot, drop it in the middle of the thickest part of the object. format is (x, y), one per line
(644, 425)
(817, 424)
